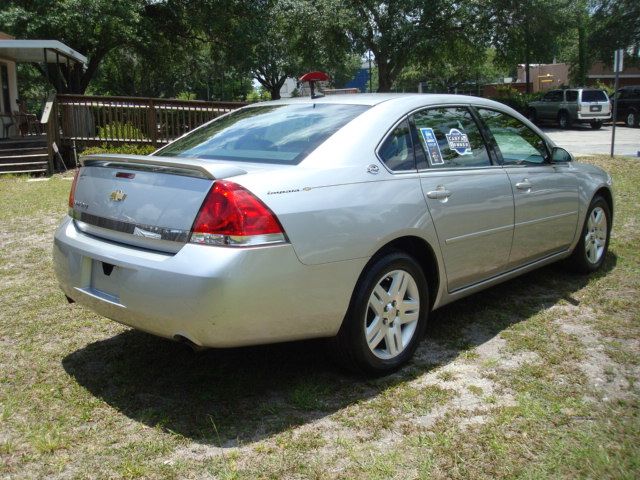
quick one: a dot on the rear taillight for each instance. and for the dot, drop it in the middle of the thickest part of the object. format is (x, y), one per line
(231, 215)
(72, 193)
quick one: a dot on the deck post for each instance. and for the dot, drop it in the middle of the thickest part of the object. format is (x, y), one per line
(152, 123)
(50, 120)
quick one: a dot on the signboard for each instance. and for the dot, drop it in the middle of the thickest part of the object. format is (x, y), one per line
(618, 61)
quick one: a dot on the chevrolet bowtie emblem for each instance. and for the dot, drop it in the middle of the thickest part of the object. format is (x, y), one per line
(117, 195)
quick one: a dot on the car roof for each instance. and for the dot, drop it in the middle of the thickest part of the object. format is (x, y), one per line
(372, 99)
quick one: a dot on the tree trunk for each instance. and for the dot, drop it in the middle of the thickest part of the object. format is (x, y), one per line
(581, 74)
(527, 79)
(385, 80)
(274, 92)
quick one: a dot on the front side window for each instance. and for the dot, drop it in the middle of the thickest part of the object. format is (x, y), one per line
(450, 138)
(283, 134)
(554, 96)
(518, 144)
(397, 150)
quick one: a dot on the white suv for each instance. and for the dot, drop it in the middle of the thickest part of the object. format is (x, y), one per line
(574, 105)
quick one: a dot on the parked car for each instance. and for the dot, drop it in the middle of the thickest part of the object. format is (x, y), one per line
(628, 105)
(349, 217)
(574, 105)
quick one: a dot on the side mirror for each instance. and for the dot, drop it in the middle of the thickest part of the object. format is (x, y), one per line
(560, 155)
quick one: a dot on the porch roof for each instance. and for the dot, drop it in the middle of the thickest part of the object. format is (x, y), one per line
(37, 50)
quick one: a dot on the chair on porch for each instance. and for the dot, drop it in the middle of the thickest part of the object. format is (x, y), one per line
(7, 123)
(27, 123)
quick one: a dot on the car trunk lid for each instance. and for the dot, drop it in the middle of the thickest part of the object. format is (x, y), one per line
(144, 201)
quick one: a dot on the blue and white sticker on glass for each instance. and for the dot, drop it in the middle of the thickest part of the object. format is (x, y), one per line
(458, 142)
(433, 149)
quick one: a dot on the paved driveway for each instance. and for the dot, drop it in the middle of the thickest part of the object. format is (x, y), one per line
(582, 139)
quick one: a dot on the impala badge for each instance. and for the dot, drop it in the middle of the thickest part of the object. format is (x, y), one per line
(117, 195)
(137, 231)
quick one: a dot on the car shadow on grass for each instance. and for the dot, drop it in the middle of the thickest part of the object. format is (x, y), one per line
(222, 397)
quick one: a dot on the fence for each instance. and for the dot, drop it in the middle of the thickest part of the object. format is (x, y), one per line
(90, 120)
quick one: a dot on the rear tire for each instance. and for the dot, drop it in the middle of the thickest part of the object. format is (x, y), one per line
(532, 115)
(596, 124)
(631, 120)
(386, 318)
(564, 120)
(593, 244)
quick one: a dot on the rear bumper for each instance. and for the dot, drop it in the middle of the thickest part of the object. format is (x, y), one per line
(589, 117)
(214, 296)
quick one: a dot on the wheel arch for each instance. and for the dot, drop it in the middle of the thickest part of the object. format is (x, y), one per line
(423, 253)
(605, 193)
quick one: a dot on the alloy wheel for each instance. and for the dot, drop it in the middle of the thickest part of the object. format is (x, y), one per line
(392, 314)
(595, 239)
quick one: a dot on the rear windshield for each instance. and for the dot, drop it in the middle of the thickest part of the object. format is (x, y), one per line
(265, 134)
(594, 96)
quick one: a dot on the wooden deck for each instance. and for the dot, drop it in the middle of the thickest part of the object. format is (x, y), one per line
(24, 155)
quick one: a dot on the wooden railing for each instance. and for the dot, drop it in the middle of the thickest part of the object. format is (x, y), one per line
(90, 120)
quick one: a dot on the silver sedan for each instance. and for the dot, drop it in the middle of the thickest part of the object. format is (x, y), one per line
(349, 217)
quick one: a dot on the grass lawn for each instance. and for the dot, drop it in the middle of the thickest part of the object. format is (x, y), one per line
(536, 378)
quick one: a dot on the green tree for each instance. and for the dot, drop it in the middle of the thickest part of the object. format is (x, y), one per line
(463, 66)
(614, 24)
(92, 27)
(528, 32)
(404, 31)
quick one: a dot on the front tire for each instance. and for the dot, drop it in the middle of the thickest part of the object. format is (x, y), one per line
(592, 247)
(532, 115)
(386, 318)
(596, 124)
(564, 121)
(631, 120)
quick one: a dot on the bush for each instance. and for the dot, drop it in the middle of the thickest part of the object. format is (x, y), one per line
(603, 86)
(515, 99)
(120, 130)
(126, 149)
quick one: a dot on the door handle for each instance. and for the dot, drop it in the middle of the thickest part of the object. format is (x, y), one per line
(524, 185)
(439, 193)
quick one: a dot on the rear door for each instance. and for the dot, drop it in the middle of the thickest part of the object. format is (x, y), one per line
(545, 195)
(468, 195)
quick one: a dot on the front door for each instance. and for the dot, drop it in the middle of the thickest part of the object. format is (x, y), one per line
(545, 195)
(469, 197)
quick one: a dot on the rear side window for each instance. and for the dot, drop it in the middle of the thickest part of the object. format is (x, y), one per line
(571, 95)
(265, 134)
(594, 96)
(397, 150)
(450, 138)
(518, 144)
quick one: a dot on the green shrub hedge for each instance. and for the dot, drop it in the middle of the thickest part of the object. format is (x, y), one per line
(515, 99)
(126, 149)
(123, 130)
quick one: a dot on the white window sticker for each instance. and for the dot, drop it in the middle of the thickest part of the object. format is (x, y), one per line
(458, 142)
(433, 149)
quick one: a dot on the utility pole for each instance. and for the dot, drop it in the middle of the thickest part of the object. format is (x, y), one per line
(618, 55)
(370, 79)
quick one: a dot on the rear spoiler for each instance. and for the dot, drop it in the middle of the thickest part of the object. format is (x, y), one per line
(189, 167)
